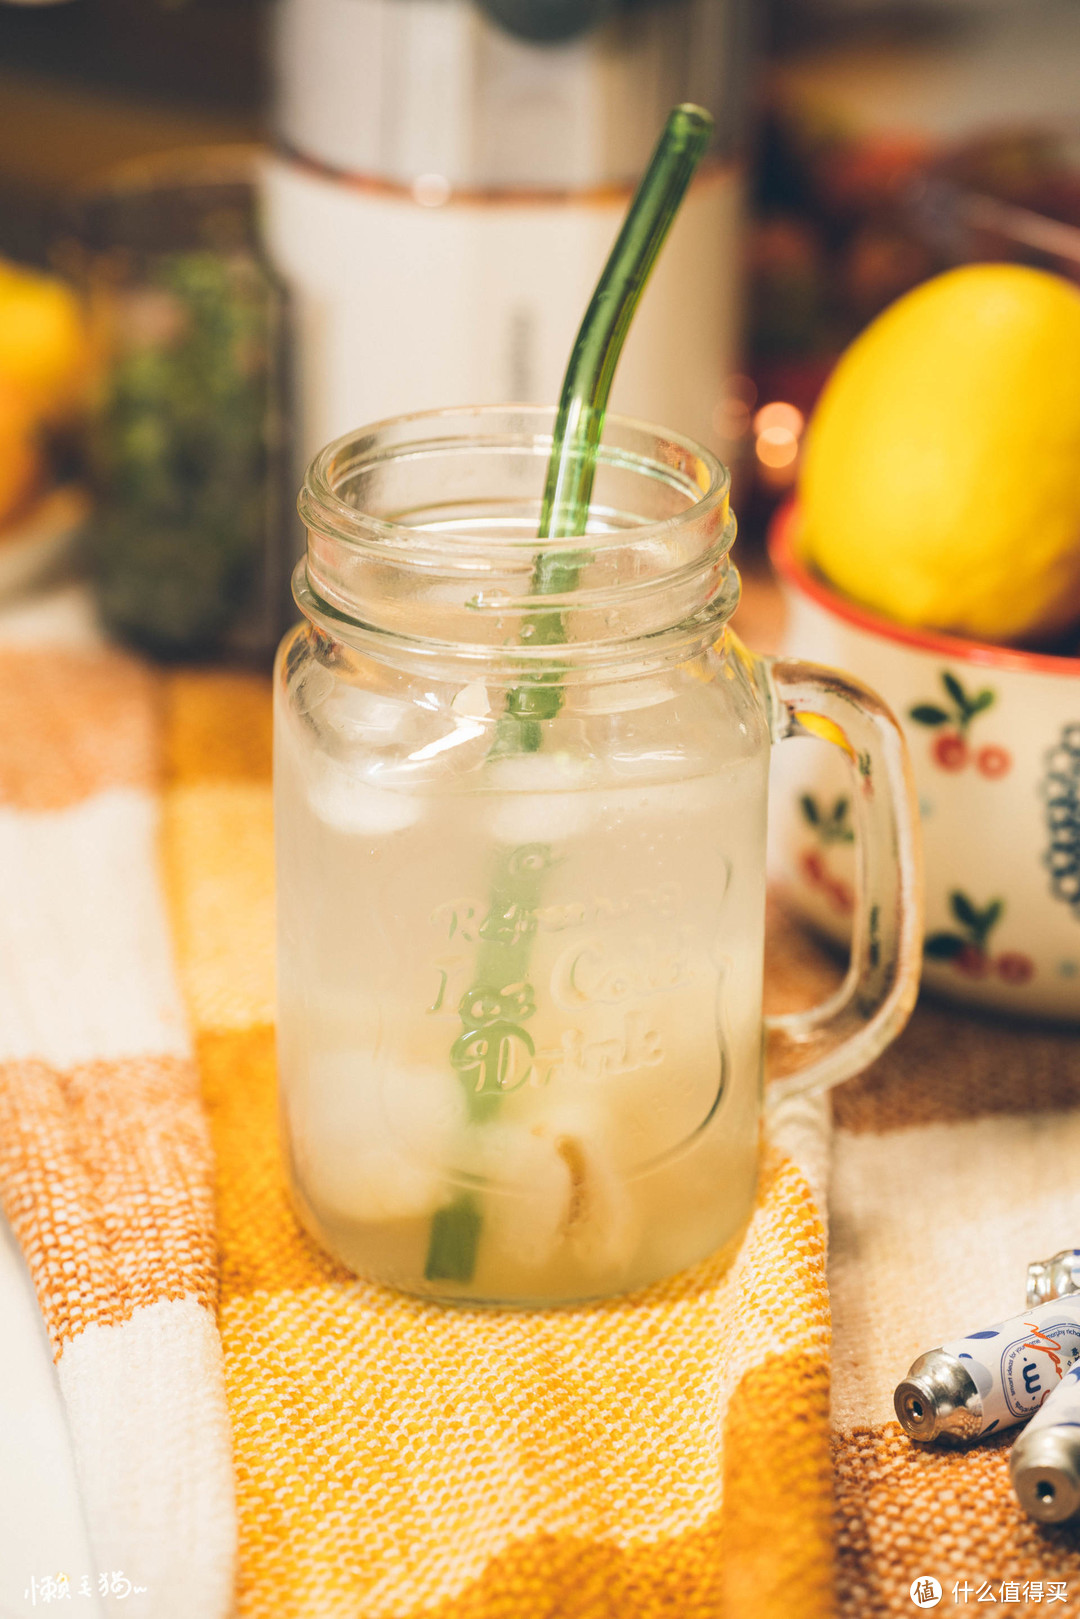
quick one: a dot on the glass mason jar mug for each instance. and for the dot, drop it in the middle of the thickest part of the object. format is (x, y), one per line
(520, 798)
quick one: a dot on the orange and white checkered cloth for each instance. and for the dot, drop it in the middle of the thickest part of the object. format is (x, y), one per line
(664, 1454)
(105, 1157)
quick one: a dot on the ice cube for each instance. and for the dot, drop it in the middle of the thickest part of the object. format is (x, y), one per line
(371, 1140)
(350, 802)
(366, 716)
(473, 701)
(549, 798)
(542, 798)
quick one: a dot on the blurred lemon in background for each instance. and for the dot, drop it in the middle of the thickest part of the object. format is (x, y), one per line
(941, 479)
(43, 375)
(42, 340)
(20, 456)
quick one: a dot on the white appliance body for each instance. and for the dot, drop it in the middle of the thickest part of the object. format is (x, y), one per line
(401, 306)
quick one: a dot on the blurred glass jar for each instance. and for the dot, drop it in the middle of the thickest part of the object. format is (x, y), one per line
(189, 539)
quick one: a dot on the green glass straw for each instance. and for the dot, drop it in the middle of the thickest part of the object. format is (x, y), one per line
(583, 403)
(490, 1025)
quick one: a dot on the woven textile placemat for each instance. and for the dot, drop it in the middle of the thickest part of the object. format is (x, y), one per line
(105, 1158)
(662, 1455)
(253, 1429)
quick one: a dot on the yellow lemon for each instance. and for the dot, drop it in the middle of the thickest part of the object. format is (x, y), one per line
(43, 349)
(20, 461)
(941, 478)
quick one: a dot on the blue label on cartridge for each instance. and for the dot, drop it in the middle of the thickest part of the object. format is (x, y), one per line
(1033, 1365)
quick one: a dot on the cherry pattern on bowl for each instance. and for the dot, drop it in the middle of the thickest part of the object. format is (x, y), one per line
(829, 826)
(998, 778)
(1061, 791)
(952, 748)
(967, 949)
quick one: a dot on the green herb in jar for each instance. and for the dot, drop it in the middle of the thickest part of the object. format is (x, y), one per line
(181, 454)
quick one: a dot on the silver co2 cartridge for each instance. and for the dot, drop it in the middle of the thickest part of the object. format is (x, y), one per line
(991, 1379)
(1045, 1460)
(1054, 1278)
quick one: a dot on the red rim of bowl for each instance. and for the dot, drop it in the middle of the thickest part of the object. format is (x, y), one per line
(785, 558)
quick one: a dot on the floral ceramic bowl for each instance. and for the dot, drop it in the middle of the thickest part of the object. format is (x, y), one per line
(994, 736)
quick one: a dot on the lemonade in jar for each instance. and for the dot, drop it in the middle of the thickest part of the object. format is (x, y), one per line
(521, 874)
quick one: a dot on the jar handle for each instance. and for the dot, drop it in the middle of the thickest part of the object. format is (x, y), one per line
(812, 1050)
